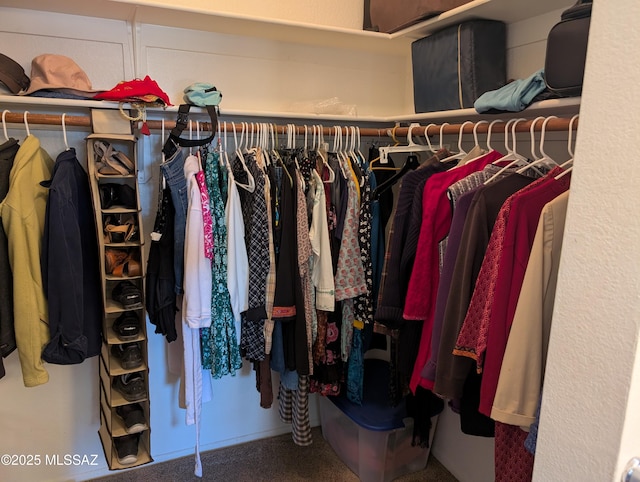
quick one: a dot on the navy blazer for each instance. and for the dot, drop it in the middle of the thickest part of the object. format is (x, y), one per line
(71, 266)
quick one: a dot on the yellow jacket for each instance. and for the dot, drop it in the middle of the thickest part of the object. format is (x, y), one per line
(23, 213)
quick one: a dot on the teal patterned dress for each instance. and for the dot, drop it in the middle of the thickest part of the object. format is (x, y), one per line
(220, 352)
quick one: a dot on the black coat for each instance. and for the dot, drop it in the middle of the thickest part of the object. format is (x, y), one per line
(70, 265)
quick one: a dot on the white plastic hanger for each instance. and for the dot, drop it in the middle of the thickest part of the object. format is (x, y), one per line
(4, 123)
(251, 184)
(322, 152)
(476, 143)
(359, 146)
(26, 124)
(568, 164)
(461, 152)
(511, 155)
(426, 136)
(441, 145)
(164, 181)
(64, 132)
(545, 158)
(411, 146)
(491, 124)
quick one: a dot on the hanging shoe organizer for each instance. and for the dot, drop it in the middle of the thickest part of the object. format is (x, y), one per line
(124, 374)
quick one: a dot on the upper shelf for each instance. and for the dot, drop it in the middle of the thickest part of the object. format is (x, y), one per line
(567, 106)
(207, 19)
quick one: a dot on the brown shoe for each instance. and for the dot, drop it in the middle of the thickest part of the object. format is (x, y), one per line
(114, 258)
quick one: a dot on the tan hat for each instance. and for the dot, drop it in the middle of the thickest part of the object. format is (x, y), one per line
(51, 71)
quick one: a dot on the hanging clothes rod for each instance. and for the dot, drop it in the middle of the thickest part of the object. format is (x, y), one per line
(557, 124)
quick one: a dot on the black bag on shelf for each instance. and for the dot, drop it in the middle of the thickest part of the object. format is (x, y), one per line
(454, 66)
(567, 50)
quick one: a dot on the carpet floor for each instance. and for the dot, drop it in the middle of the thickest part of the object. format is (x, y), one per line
(270, 459)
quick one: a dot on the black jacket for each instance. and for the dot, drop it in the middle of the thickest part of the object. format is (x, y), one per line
(8, 152)
(70, 265)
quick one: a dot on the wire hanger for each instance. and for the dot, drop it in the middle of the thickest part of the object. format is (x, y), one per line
(4, 123)
(26, 124)
(64, 132)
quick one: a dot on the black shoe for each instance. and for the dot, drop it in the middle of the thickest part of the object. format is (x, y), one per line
(129, 355)
(131, 386)
(127, 326)
(133, 417)
(122, 195)
(127, 448)
(128, 295)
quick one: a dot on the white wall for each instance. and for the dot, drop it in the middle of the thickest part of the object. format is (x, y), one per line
(589, 423)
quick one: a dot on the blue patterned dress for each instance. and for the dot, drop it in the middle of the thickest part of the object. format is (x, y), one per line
(220, 352)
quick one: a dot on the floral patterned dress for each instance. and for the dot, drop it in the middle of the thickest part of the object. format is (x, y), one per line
(220, 352)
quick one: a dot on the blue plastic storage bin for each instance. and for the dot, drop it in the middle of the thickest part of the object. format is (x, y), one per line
(373, 440)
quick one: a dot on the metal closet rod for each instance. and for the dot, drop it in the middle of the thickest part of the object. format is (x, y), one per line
(555, 124)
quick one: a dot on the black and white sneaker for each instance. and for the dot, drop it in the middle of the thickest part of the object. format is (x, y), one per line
(133, 417)
(131, 386)
(127, 448)
(129, 355)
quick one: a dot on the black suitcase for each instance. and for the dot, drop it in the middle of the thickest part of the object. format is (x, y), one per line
(454, 66)
(567, 50)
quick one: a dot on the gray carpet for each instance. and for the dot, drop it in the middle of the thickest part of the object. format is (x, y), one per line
(270, 459)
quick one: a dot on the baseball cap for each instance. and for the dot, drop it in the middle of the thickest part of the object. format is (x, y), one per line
(12, 75)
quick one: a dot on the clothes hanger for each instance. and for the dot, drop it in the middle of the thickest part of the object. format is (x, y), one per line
(476, 145)
(4, 123)
(410, 164)
(461, 154)
(251, 184)
(337, 148)
(379, 167)
(511, 155)
(568, 164)
(426, 137)
(411, 146)
(322, 152)
(26, 124)
(491, 124)
(359, 146)
(64, 132)
(162, 156)
(545, 158)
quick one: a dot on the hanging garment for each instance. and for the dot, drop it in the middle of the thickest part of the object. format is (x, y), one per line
(271, 275)
(363, 304)
(160, 293)
(173, 171)
(294, 409)
(321, 264)
(461, 195)
(254, 207)
(522, 372)
(207, 220)
(23, 213)
(350, 277)
(513, 463)
(8, 151)
(516, 248)
(451, 370)
(237, 261)
(220, 351)
(304, 259)
(70, 265)
(196, 305)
